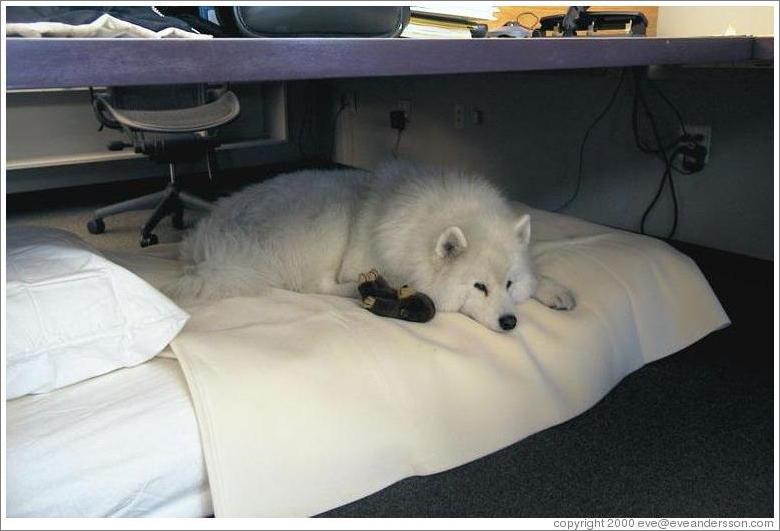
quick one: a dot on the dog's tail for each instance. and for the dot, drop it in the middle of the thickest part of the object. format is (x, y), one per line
(206, 281)
(192, 282)
(190, 285)
(197, 281)
(220, 265)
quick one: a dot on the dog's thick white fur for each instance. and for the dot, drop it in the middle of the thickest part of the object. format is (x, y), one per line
(450, 234)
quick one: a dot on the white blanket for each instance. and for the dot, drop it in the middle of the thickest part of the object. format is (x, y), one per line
(103, 26)
(308, 402)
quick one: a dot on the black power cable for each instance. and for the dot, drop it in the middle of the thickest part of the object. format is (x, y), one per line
(398, 121)
(334, 130)
(670, 104)
(660, 150)
(694, 154)
(595, 122)
(683, 144)
(397, 145)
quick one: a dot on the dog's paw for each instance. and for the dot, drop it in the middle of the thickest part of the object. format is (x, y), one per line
(369, 302)
(554, 295)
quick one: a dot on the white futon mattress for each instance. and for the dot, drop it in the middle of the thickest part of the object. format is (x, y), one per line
(307, 402)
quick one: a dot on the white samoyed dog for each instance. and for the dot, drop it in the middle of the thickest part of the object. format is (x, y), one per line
(450, 234)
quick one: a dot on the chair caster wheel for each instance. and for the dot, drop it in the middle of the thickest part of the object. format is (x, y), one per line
(146, 241)
(177, 220)
(96, 226)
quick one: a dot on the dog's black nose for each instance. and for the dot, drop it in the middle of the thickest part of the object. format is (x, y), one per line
(507, 321)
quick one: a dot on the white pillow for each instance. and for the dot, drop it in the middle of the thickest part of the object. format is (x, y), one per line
(71, 314)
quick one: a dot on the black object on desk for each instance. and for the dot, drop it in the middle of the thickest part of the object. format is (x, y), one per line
(578, 18)
(313, 21)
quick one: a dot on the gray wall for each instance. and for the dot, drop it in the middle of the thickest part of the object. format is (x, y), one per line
(532, 127)
(53, 139)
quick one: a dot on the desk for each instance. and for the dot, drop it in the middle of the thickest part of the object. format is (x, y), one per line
(764, 48)
(62, 63)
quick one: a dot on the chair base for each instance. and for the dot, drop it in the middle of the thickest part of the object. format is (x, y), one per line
(168, 202)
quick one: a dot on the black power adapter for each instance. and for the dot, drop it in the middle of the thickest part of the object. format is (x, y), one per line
(398, 120)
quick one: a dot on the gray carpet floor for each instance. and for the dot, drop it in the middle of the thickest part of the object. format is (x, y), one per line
(689, 435)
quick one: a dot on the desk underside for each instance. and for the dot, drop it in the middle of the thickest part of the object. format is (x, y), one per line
(63, 63)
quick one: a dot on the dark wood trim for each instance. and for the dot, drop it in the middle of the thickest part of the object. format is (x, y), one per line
(49, 63)
(764, 48)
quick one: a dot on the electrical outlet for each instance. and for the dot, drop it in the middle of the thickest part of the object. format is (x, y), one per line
(349, 101)
(460, 119)
(705, 131)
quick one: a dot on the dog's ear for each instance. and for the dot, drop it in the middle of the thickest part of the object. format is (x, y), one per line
(523, 229)
(451, 243)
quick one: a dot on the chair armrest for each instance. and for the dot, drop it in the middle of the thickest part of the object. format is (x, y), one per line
(200, 118)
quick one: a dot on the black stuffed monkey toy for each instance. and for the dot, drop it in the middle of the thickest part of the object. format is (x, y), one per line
(382, 299)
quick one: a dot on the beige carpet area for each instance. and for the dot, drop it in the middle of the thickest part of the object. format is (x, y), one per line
(71, 208)
(123, 231)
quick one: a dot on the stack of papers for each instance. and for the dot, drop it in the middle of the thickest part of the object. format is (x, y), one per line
(447, 20)
(435, 29)
(461, 11)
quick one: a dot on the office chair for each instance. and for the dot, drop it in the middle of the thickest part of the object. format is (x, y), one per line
(169, 124)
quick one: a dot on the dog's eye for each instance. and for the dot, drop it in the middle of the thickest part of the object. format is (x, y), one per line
(508, 284)
(481, 287)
